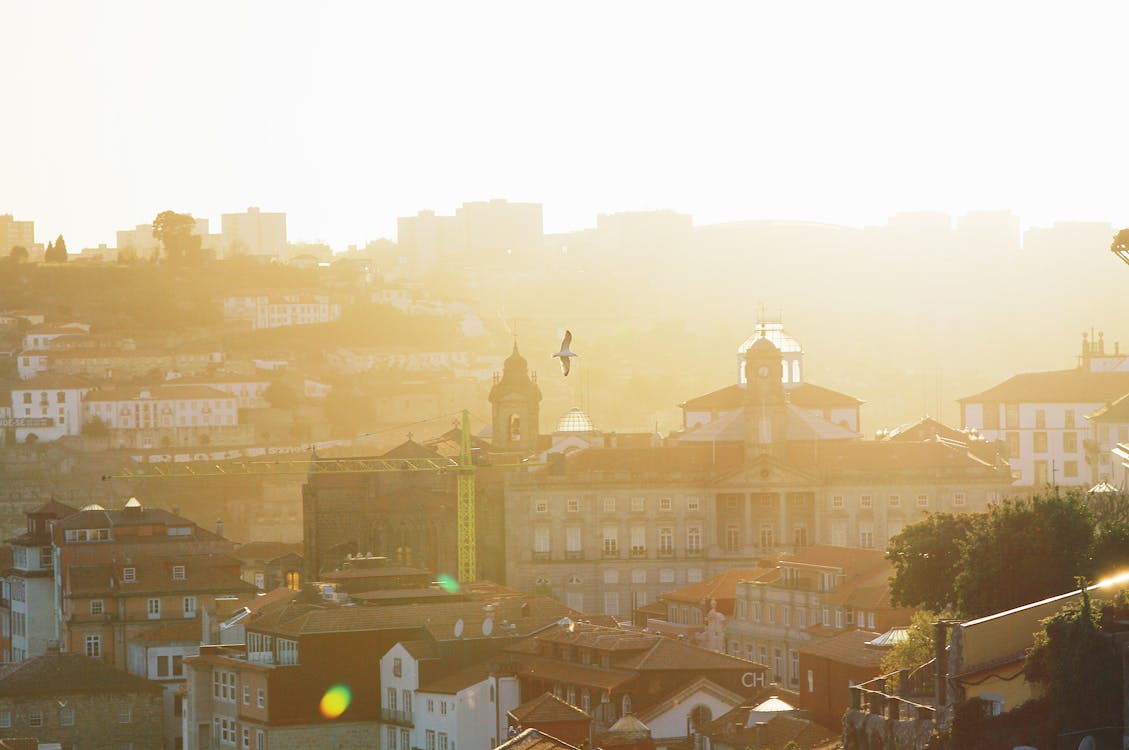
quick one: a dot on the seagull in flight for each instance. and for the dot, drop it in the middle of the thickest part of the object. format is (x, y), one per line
(564, 353)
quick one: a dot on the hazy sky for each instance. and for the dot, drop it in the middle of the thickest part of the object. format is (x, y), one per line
(346, 115)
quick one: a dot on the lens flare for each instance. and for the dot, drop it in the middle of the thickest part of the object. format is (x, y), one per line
(448, 583)
(335, 701)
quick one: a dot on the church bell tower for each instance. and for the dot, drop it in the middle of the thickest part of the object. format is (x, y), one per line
(765, 403)
(516, 402)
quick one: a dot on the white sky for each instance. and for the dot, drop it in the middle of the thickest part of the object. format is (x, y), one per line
(347, 115)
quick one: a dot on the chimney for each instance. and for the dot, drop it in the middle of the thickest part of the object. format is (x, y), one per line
(219, 527)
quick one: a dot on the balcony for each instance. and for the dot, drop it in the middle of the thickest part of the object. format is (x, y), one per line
(666, 552)
(694, 552)
(607, 553)
(392, 716)
(638, 551)
(542, 555)
(574, 554)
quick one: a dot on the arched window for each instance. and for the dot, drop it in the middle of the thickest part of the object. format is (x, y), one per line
(586, 702)
(700, 716)
(626, 705)
(515, 427)
(293, 580)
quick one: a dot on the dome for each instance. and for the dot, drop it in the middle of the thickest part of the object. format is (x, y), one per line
(515, 363)
(575, 420)
(775, 334)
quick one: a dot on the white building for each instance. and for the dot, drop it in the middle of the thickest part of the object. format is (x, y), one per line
(278, 309)
(49, 405)
(151, 417)
(254, 233)
(465, 709)
(1110, 427)
(1043, 417)
(40, 336)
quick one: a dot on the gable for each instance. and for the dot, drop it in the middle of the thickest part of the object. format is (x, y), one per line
(667, 718)
(766, 470)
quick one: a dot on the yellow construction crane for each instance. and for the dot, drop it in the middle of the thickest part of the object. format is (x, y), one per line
(464, 469)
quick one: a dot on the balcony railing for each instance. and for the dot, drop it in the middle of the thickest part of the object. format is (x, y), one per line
(638, 551)
(542, 555)
(694, 552)
(610, 553)
(574, 554)
(392, 716)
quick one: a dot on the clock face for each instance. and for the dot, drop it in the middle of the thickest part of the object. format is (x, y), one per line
(762, 371)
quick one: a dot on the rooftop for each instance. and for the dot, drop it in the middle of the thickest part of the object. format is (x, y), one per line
(1057, 386)
(56, 673)
(547, 708)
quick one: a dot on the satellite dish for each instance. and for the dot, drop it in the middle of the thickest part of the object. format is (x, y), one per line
(459, 628)
(487, 626)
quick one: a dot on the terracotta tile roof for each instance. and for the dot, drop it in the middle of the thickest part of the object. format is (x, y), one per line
(805, 395)
(848, 647)
(831, 556)
(778, 731)
(669, 654)
(923, 429)
(535, 739)
(55, 508)
(265, 551)
(157, 393)
(720, 587)
(54, 381)
(1117, 411)
(571, 672)
(1057, 386)
(547, 708)
(684, 459)
(870, 455)
(57, 673)
(213, 574)
(451, 684)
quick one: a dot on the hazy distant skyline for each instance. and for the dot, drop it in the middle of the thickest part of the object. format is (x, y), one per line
(347, 116)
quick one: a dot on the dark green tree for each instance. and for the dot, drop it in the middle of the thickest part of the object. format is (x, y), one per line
(1021, 552)
(18, 254)
(56, 253)
(176, 233)
(927, 557)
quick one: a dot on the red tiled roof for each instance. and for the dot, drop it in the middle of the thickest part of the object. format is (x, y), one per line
(547, 708)
(804, 395)
(870, 455)
(830, 556)
(451, 684)
(203, 574)
(721, 587)
(1057, 386)
(669, 460)
(535, 739)
(571, 672)
(848, 647)
(57, 673)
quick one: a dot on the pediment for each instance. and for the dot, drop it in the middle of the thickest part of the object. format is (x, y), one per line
(767, 471)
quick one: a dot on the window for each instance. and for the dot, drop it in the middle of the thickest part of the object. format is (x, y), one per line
(405, 739)
(611, 603)
(866, 538)
(287, 651)
(1070, 442)
(770, 609)
(959, 499)
(836, 502)
(638, 576)
(189, 606)
(638, 504)
(429, 738)
(839, 619)
(96, 607)
(153, 606)
(397, 667)
(66, 717)
(785, 615)
(665, 504)
(1012, 439)
(609, 505)
(162, 666)
(611, 541)
(92, 644)
(666, 541)
(125, 715)
(1040, 419)
(693, 504)
(801, 618)
(694, 575)
(767, 537)
(572, 540)
(694, 539)
(391, 702)
(1068, 419)
(442, 737)
(541, 540)
(45, 557)
(1070, 469)
(866, 502)
(572, 505)
(178, 572)
(5, 719)
(756, 611)
(1040, 442)
(129, 575)
(35, 718)
(638, 541)
(224, 729)
(611, 575)
(870, 620)
(732, 538)
(800, 535)
(261, 698)
(923, 501)
(666, 575)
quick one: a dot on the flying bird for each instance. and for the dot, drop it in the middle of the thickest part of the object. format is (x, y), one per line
(564, 353)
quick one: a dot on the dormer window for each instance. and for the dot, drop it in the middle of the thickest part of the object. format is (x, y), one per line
(178, 573)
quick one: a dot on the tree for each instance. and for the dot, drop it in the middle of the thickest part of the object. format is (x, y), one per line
(18, 254)
(1078, 664)
(1120, 245)
(916, 649)
(176, 233)
(927, 557)
(95, 427)
(56, 253)
(1021, 552)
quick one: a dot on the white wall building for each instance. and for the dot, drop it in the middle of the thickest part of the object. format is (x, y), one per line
(49, 405)
(275, 310)
(254, 232)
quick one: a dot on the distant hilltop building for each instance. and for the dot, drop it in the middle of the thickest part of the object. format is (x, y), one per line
(16, 233)
(494, 227)
(141, 241)
(255, 233)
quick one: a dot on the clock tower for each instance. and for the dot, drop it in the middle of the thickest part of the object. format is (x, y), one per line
(765, 404)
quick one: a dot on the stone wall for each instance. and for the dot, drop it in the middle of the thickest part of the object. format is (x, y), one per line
(868, 731)
(97, 719)
(358, 735)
